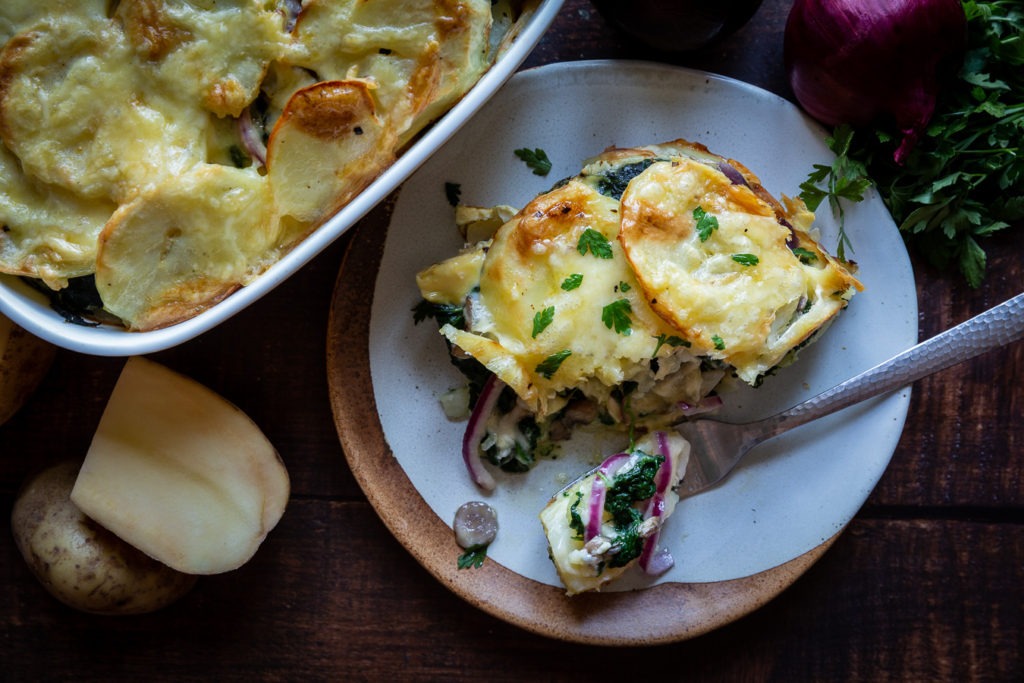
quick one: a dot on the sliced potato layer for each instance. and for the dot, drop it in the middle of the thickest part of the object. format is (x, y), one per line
(418, 66)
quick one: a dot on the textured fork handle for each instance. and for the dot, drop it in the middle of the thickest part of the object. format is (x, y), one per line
(995, 327)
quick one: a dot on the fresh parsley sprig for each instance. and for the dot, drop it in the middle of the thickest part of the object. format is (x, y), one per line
(473, 558)
(536, 159)
(572, 282)
(618, 316)
(964, 179)
(542, 319)
(594, 242)
(843, 179)
(704, 223)
(549, 366)
(670, 339)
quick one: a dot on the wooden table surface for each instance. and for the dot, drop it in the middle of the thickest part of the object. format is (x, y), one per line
(924, 585)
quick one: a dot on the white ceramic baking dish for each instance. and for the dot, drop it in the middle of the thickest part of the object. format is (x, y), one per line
(31, 310)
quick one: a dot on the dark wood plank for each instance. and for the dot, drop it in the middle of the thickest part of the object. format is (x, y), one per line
(331, 594)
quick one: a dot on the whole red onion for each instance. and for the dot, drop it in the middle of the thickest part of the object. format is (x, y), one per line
(861, 61)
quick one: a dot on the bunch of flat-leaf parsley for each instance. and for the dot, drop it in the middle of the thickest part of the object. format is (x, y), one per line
(964, 179)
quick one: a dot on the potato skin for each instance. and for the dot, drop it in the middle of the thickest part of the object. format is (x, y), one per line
(24, 361)
(81, 563)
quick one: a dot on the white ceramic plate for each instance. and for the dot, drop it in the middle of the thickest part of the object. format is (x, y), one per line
(793, 493)
(31, 310)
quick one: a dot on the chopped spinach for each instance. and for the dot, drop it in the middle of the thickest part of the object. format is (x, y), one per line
(444, 314)
(634, 485)
(612, 183)
(79, 303)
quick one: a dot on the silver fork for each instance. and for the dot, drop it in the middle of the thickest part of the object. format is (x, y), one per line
(717, 447)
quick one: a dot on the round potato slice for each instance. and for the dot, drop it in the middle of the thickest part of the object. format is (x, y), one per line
(714, 260)
(421, 57)
(183, 246)
(326, 147)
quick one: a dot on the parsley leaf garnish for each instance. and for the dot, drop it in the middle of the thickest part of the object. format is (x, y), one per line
(616, 315)
(706, 223)
(572, 282)
(453, 191)
(746, 259)
(549, 366)
(624, 287)
(542, 319)
(845, 179)
(718, 342)
(473, 558)
(672, 340)
(594, 242)
(536, 159)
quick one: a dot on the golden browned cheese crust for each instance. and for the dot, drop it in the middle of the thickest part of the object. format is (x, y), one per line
(106, 118)
(739, 292)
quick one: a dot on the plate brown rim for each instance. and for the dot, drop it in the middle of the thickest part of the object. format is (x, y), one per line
(665, 613)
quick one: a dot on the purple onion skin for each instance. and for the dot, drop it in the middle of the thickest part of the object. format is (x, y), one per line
(677, 25)
(867, 61)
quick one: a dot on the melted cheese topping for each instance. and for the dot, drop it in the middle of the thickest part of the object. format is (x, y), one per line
(102, 114)
(737, 290)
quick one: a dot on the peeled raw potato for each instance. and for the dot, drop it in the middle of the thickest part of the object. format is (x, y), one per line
(180, 473)
(24, 360)
(81, 563)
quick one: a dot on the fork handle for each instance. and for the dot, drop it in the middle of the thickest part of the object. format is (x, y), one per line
(994, 328)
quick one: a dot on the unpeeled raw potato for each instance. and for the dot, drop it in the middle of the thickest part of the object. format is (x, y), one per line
(81, 563)
(180, 473)
(24, 360)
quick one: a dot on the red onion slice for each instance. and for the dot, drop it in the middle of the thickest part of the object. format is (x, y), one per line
(476, 429)
(732, 173)
(251, 138)
(598, 490)
(652, 561)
